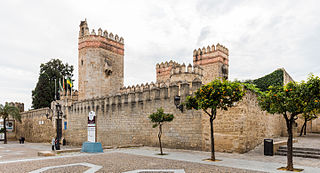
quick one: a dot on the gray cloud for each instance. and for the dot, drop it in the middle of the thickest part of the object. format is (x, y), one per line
(260, 36)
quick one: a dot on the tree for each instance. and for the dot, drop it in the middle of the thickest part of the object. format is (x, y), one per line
(158, 118)
(290, 101)
(307, 117)
(5, 112)
(213, 96)
(311, 94)
(50, 74)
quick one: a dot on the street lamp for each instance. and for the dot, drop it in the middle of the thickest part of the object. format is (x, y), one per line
(59, 123)
(177, 103)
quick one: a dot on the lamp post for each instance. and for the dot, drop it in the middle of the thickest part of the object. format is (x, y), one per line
(59, 130)
(177, 103)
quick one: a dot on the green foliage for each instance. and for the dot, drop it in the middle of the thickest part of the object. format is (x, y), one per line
(160, 117)
(282, 100)
(216, 95)
(290, 101)
(252, 87)
(44, 92)
(2, 130)
(294, 98)
(273, 79)
(311, 96)
(7, 110)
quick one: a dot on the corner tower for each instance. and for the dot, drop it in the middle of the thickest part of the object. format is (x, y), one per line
(100, 62)
(214, 61)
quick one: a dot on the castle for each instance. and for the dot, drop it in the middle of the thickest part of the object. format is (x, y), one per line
(122, 111)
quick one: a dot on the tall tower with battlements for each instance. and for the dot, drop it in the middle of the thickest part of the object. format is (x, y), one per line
(100, 62)
(214, 61)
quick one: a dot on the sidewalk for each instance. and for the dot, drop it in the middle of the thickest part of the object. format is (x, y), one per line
(197, 157)
(13, 150)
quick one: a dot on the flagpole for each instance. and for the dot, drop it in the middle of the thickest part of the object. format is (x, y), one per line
(63, 86)
(71, 90)
(55, 89)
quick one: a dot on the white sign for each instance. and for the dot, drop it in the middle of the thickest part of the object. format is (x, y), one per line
(92, 126)
(92, 134)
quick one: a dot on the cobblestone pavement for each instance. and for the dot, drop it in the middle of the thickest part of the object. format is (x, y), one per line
(16, 157)
(111, 162)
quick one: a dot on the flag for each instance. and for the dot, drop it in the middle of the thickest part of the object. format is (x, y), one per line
(69, 81)
(60, 86)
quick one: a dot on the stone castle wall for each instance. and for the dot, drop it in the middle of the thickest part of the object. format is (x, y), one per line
(315, 125)
(123, 119)
(35, 126)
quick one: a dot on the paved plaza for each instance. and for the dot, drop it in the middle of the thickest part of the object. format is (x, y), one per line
(15, 157)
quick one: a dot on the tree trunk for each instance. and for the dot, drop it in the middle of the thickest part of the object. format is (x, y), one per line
(159, 136)
(289, 145)
(5, 130)
(305, 127)
(213, 158)
(302, 128)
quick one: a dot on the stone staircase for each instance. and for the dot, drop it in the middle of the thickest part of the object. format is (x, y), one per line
(300, 152)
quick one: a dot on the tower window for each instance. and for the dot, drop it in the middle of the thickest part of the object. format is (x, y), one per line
(81, 62)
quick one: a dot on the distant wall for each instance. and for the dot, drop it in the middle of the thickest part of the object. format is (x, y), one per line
(35, 126)
(315, 125)
(286, 77)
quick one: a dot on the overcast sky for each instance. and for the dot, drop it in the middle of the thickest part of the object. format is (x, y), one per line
(261, 36)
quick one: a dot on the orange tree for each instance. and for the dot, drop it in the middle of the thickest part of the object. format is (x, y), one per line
(311, 95)
(158, 118)
(213, 96)
(290, 101)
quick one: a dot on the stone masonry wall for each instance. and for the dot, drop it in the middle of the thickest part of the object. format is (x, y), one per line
(35, 126)
(123, 119)
(100, 63)
(315, 125)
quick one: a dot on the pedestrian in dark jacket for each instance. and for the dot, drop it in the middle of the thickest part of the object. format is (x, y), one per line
(53, 142)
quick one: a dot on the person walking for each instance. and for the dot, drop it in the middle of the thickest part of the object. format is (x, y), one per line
(53, 143)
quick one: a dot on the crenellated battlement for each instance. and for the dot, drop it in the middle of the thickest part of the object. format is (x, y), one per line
(19, 105)
(214, 60)
(139, 87)
(102, 39)
(163, 70)
(182, 69)
(185, 73)
(142, 94)
(84, 32)
(211, 54)
(211, 49)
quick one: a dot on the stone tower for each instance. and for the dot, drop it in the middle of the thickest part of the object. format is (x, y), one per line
(100, 62)
(214, 61)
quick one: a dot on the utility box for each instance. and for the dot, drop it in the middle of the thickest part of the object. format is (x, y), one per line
(268, 147)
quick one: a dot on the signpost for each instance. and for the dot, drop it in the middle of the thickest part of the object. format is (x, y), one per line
(92, 126)
(92, 146)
